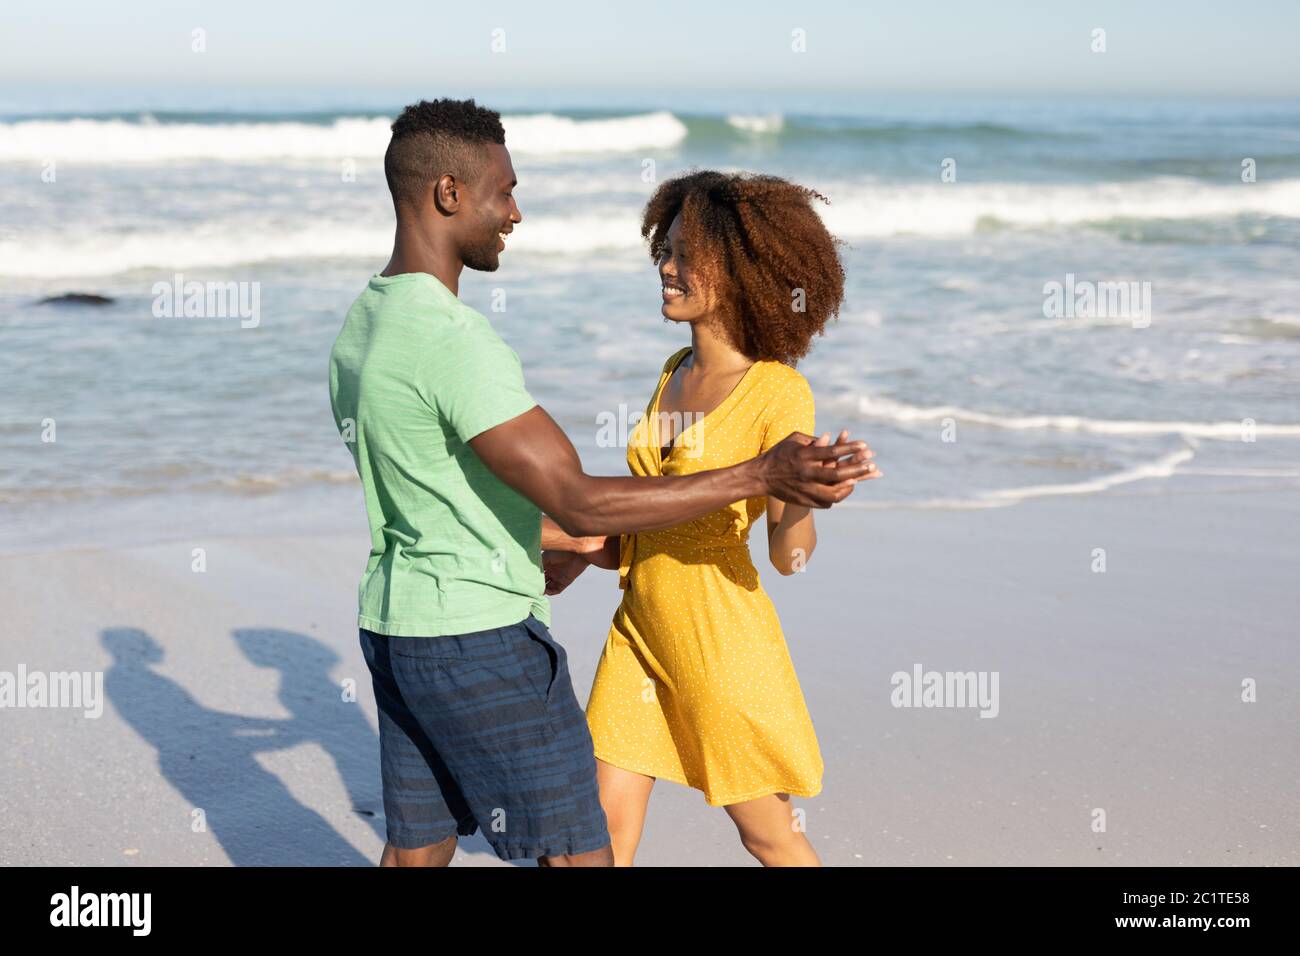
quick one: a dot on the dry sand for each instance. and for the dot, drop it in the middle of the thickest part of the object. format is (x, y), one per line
(1119, 690)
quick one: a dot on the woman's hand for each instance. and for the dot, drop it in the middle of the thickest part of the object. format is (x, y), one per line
(606, 554)
(561, 568)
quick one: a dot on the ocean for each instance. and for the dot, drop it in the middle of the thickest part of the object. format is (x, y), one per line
(1045, 296)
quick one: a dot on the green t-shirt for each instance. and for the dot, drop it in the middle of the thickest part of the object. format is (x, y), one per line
(414, 375)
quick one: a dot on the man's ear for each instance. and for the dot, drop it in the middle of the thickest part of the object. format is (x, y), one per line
(446, 193)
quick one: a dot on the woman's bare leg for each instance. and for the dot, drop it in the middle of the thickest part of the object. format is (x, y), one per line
(768, 829)
(624, 796)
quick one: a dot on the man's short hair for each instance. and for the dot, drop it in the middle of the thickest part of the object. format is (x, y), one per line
(435, 137)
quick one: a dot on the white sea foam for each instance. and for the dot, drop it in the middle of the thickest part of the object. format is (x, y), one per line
(1243, 472)
(1164, 467)
(545, 134)
(121, 141)
(888, 410)
(170, 248)
(53, 256)
(771, 123)
(877, 210)
(859, 208)
(610, 222)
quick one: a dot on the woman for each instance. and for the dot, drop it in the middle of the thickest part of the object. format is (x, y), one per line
(695, 683)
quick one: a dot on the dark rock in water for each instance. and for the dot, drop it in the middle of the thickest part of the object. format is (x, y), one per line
(77, 298)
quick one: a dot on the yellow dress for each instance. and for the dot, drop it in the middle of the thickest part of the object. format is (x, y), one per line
(695, 683)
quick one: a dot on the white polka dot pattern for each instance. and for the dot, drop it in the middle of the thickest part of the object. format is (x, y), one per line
(695, 683)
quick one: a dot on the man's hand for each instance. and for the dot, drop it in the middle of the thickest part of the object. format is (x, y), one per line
(561, 569)
(814, 473)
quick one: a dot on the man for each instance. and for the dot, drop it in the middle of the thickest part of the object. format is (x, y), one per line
(479, 726)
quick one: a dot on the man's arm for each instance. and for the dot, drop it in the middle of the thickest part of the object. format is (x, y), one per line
(532, 455)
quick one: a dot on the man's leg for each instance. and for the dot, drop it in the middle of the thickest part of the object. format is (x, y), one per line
(499, 707)
(602, 857)
(436, 854)
(421, 799)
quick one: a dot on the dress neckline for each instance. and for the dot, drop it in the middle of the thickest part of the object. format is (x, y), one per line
(666, 377)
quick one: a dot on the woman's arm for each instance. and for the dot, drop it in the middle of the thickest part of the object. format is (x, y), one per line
(791, 535)
(554, 538)
(600, 550)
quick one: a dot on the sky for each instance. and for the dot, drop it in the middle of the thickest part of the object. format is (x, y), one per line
(1153, 47)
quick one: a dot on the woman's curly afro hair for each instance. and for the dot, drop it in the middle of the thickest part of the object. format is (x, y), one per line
(759, 243)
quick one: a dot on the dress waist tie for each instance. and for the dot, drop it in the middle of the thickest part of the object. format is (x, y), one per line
(627, 548)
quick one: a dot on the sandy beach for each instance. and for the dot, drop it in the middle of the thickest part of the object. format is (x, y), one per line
(225, 738)
(1040, 257)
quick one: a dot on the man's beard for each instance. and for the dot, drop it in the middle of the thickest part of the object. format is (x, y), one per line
(482, 257)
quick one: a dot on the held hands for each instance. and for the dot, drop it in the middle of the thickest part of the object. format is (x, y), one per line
(872, 470)
(815, 473)
(602, 552)
(561, 568)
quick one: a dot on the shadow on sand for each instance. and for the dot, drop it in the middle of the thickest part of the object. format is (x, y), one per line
(210, 756)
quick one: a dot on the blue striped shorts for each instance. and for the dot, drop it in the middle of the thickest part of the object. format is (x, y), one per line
(482, 731)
